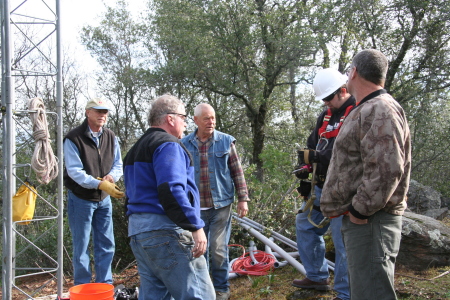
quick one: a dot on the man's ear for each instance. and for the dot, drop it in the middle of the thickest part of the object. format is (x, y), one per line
(170, 120)
(343, 91)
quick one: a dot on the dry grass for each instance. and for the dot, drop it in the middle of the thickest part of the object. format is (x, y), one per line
(409, 284)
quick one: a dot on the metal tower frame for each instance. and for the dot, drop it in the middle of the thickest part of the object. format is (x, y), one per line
(18, 19)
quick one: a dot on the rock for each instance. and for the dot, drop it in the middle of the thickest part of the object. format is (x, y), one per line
(438, 214)
(53, 297)
(422, 198)
(425, 242)
(307, 294)
(445, 202)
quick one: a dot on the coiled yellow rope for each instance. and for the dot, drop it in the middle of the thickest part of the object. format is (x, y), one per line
(43, 162)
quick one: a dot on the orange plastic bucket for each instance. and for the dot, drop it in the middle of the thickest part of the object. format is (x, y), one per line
(92, 291)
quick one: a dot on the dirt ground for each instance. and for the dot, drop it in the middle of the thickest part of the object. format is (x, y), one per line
(43, 287)
(412, 285)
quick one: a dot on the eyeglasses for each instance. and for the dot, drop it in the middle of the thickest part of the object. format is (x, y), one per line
(331, 97)
(183, 117)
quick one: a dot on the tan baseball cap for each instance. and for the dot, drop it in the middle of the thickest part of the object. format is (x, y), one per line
(97, 103)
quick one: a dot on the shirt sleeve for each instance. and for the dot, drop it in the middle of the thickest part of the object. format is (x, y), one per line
(237, 174)
(74, 166)
(117, 167)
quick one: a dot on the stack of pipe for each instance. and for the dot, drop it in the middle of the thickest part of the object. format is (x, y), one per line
(254, 228)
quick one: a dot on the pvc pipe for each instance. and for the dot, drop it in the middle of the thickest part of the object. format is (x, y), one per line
(275, 247)
(251, 251)
(231, 274)
(276, 235)
(277, 264)
(293, 254)
(267, 249)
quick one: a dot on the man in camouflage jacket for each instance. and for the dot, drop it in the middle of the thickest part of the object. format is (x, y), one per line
(368, 179)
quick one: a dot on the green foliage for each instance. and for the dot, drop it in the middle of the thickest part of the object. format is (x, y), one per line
(265, 291)
(255, 281)
(123, 255)
(254, 62)
(430, 152)
(118, 45)
(269, 204)
(247, 48)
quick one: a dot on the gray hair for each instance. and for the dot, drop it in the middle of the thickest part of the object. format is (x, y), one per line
(372, 65)
(161, 107)
(199, 109)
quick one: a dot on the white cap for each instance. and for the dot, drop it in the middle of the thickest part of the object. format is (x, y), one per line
(327, 81)
(97, 103)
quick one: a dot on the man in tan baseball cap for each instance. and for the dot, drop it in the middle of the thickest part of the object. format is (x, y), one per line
(98, 103)
(92, 166)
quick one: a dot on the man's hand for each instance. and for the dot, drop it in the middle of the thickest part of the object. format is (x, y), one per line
(200, 243)
(242, 209)
(110, 189)
(355, 220)
(302, 171)
(108, 178)
(307, 156)
(304, 189)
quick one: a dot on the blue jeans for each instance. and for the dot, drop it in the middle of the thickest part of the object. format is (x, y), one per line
(311, 247)
(218, 229)
(373, 248)
(86, 216)
(167, 268)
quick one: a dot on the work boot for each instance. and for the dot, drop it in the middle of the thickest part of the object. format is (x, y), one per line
(223, 295)
(309, 284)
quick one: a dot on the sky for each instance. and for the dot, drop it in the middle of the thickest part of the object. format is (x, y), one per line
(74, 15)
(78, 13)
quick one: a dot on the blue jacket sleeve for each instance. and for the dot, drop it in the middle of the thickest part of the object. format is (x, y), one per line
(177, 191)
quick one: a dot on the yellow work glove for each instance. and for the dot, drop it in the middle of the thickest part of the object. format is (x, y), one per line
(111, 189)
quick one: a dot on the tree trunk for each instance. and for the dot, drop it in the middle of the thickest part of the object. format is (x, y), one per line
(258, 127)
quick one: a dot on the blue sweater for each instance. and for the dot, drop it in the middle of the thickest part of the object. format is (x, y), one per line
(159, 179)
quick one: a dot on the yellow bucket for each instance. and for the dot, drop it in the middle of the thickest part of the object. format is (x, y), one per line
(24, 202)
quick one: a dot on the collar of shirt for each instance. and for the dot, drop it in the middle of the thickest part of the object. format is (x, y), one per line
(96, 135)
(199, 142)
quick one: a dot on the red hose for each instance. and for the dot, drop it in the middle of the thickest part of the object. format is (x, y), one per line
(244, 265)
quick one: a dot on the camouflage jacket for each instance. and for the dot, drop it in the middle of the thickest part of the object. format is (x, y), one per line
(371, 161)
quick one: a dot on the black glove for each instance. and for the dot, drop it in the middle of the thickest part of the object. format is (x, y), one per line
(305, 188)
(302, 171)
(307, 156)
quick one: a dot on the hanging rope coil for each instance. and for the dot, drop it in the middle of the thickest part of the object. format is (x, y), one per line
(43, 162)
(243, 265)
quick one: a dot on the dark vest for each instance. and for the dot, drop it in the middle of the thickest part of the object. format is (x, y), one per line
(97, 162)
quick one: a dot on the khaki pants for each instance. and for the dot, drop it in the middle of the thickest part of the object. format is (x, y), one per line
(371, 253)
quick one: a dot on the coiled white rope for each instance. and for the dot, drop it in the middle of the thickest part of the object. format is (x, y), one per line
(43, 162)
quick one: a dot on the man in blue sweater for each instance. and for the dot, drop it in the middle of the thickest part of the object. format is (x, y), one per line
(163, 203)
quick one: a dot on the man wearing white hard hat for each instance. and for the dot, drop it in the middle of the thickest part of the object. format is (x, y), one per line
(92, 165)
(330, 87)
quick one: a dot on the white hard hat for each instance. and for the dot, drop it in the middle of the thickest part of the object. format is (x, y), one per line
(327, 81)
